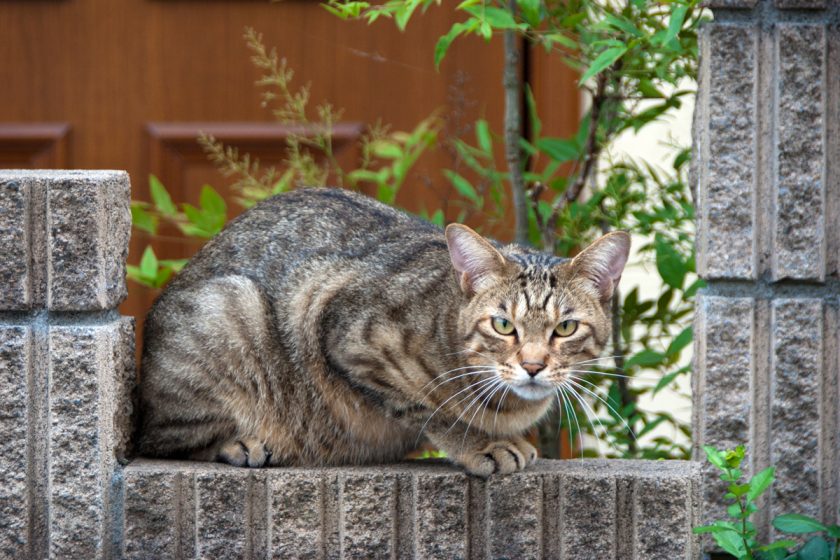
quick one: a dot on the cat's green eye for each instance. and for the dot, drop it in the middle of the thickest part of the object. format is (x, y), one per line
(502, 326)
(566, 328)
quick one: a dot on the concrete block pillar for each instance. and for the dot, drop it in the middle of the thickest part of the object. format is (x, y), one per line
(767, 162)
(66, 362)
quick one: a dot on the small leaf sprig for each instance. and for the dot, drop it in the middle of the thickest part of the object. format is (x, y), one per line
(738, 536)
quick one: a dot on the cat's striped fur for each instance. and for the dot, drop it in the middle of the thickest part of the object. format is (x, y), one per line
(323, 328)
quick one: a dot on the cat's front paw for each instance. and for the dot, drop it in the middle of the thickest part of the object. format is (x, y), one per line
(502, 457)
(244, 452)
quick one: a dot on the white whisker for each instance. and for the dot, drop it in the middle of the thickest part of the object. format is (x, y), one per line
(570, 412)
(467, 388)
(597, 396)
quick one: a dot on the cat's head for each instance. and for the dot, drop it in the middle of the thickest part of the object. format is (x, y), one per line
(533, 318)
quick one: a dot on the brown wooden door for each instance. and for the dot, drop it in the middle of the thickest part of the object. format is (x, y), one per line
(127, 84)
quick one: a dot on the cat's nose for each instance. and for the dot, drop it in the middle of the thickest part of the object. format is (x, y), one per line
(533, 368)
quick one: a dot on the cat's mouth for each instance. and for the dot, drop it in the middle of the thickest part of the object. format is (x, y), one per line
(533, 389)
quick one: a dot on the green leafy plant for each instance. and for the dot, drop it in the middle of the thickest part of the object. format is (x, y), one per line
(633, 58)
(737, 535)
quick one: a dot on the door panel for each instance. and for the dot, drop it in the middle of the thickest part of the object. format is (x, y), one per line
(135, 79)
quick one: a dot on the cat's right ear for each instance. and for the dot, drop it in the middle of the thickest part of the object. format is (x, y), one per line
(477, 261)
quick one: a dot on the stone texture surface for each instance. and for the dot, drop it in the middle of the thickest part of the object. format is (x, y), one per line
(722, 398)
(15, 364)
(797, 335)
(15, 277)
(221, 524)
(738, 4)
(67, 233)
(766, 345)
(441, 502)
(588, 507)
(295, 511)
(369, 503)
(90, 371)
(801, 4)
(514, 506)
(728, 159)
(799, 233)
(661, 511)
(152, 505)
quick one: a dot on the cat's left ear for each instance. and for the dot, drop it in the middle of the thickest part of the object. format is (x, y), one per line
(603, 262)
(477, 261)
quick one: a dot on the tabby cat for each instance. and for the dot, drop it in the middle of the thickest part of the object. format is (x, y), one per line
(324, 328)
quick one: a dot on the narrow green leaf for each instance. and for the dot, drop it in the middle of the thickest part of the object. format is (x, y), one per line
(559, 149)
(760, 482)
(815, 549)
(482, 134)
(715, 457)
(602, 61)
(462, 186)
(623, 24)
(212, 201)
(536, 123)
(445, 41)
(148, 263)
(561, 40)
(530, 10)
(669, 378)
(796, 523)
(174, 264)
(143, 220)
(680, 341)
(387, 149)
(669, 263)
(731, 542)
(404, 13)
(646, 357)
(675, 23)
(496, 17)
(161, 198)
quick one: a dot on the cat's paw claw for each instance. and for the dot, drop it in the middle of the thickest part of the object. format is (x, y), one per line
(502, 457)
(245, 452)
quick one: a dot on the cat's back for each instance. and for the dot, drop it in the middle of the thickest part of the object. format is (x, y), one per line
(278, 236)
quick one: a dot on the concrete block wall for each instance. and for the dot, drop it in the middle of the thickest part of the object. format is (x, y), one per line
(635, 510)
(66, 492)
(66, 361)
(767, 161)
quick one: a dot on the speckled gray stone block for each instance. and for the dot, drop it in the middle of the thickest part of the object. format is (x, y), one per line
(222, 514)
(767, 347)
(397, 510)
(440, 505)
(15, 272)
(799, 243)
(91, 373)
(514, 509)
(737, 4)
(368, 521)
(724, 330)
(797, 349)
(295, 509)
(727, 158)
(66, 234)
(15, 363)
(661, 510)
(801, 4)
(152, 505)
(588, 507)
